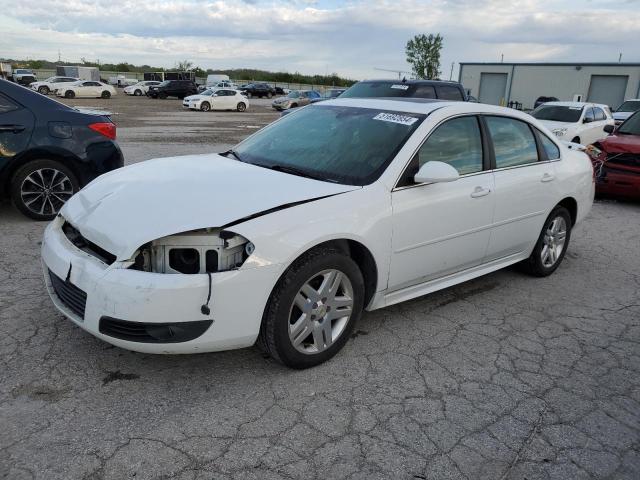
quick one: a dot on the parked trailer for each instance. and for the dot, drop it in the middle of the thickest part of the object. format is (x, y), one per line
(5, 70)
(162, 76)
(83, 73)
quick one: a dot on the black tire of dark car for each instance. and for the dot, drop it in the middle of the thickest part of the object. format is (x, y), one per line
(106, 94)
(241, 107)
(162, 95)
(274, 330)
(44, 90)
(205, 106)
(249, 95)
(269, 95)
(69, 94)
(137, 93)
(42, 200)
(534, 265)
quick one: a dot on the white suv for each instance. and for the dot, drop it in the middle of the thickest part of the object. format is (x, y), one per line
(577, 122)
(51, 84)
(140, 88)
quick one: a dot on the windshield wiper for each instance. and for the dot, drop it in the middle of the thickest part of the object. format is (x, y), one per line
(232, 152)
(297, 171)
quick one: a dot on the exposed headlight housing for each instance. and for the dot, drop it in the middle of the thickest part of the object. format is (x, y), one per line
(201, 251)
(559, 132)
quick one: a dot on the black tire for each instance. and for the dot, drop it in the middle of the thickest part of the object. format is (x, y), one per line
(205, 106)
(69, 94)
(44, 90)
(20, 198)
(575, 140)
(162, 95)
(269, 95)
(241, 107)
(534, 265)
(249, 95)
(137, 93)
(293, 105)
(106, 94)
(274, 330)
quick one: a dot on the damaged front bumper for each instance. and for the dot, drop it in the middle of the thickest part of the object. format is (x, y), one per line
(162, 311)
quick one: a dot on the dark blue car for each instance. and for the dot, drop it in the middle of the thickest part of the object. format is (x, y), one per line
(48, 151)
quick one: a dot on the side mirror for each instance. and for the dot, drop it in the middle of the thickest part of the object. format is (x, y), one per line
(436, 172)
(587, 120)
(609, 128)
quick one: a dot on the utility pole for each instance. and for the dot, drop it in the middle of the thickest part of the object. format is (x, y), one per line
(58, 55)
(620, 58)
(502, 58)
(451, 73)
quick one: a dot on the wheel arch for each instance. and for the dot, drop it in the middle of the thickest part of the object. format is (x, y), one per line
(571, 205)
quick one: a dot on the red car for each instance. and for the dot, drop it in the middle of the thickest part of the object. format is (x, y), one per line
(616, 160)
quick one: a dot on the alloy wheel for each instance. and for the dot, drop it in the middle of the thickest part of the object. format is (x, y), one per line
(320, 311)
(553, 241)
(45, 190)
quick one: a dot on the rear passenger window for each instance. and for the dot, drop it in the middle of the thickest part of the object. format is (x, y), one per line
(589, 115)
(550, 149)
(425, 91)
(599, 114)
(513, 142)
(448, 92)
(457, 142)
(7, 105)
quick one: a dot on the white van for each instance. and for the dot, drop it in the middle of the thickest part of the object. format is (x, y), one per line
(215, 78)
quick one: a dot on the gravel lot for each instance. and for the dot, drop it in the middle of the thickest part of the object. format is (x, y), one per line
(503, 377)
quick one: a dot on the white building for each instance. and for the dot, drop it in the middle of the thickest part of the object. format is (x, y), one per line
(501, 83)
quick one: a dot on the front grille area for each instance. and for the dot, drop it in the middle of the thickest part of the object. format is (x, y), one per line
(85, 245)
(73, 298)
(153, 332)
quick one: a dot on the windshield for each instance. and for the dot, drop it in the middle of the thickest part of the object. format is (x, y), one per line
(558, 113)
(207, 93)
(294, 94)
(631, 126)
(345, 145)
(50, 79)
(377, 89)
(164, 84)
(629, 106)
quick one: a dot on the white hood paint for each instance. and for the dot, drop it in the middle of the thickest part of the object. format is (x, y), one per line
(551, 124)
(128, 207)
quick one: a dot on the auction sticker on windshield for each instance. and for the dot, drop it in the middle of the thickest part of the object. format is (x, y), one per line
(400, 87)
(395, 118)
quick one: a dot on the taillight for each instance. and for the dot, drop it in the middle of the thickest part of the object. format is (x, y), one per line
(107, 129)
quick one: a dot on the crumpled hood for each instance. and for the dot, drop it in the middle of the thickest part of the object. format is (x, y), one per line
(128, 207)
(621, 144)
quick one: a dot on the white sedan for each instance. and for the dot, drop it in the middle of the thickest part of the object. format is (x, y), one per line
(343, 206)
(217, 99)
(86, 89)
(140, 88)
(576, 122)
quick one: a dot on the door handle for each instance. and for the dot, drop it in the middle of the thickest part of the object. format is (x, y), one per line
(547, 177)
(12, 128)
(480, 192)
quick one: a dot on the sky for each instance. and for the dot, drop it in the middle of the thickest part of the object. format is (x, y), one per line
(350, 38)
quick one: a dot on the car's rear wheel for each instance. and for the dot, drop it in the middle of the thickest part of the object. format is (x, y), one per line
(69, 94)
(106, 94)
(44, 90)
(40, 188)
(552, 244)
(205, 106)
(313, 309)
(162, 95)
(241, 107)
(137, 93)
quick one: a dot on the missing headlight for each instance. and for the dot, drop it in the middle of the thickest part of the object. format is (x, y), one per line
(202, 251)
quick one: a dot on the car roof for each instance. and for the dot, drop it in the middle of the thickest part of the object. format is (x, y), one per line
(424, 105)
(576, 104)
(409, 82)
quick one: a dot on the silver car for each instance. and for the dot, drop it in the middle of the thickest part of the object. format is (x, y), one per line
(296, 98)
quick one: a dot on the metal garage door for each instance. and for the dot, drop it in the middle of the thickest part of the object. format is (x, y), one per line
(608, 89)
(493, 87)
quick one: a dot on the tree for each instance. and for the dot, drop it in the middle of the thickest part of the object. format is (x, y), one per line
(184, 66)
(423, 53)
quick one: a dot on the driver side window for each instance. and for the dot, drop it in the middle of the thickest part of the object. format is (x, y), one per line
(457, 142)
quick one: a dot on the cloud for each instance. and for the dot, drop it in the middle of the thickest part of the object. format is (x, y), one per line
(316, 36)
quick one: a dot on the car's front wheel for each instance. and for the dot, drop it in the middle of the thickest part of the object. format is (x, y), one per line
(313, 309)
(106, 94)
(551, 245)
(70, 94)
(44, 90)
(162, 95)
(137, 93)
(40, 188)
(241, 107)
(205, 106)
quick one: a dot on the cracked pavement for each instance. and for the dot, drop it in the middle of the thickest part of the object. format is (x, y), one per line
(503, 377)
